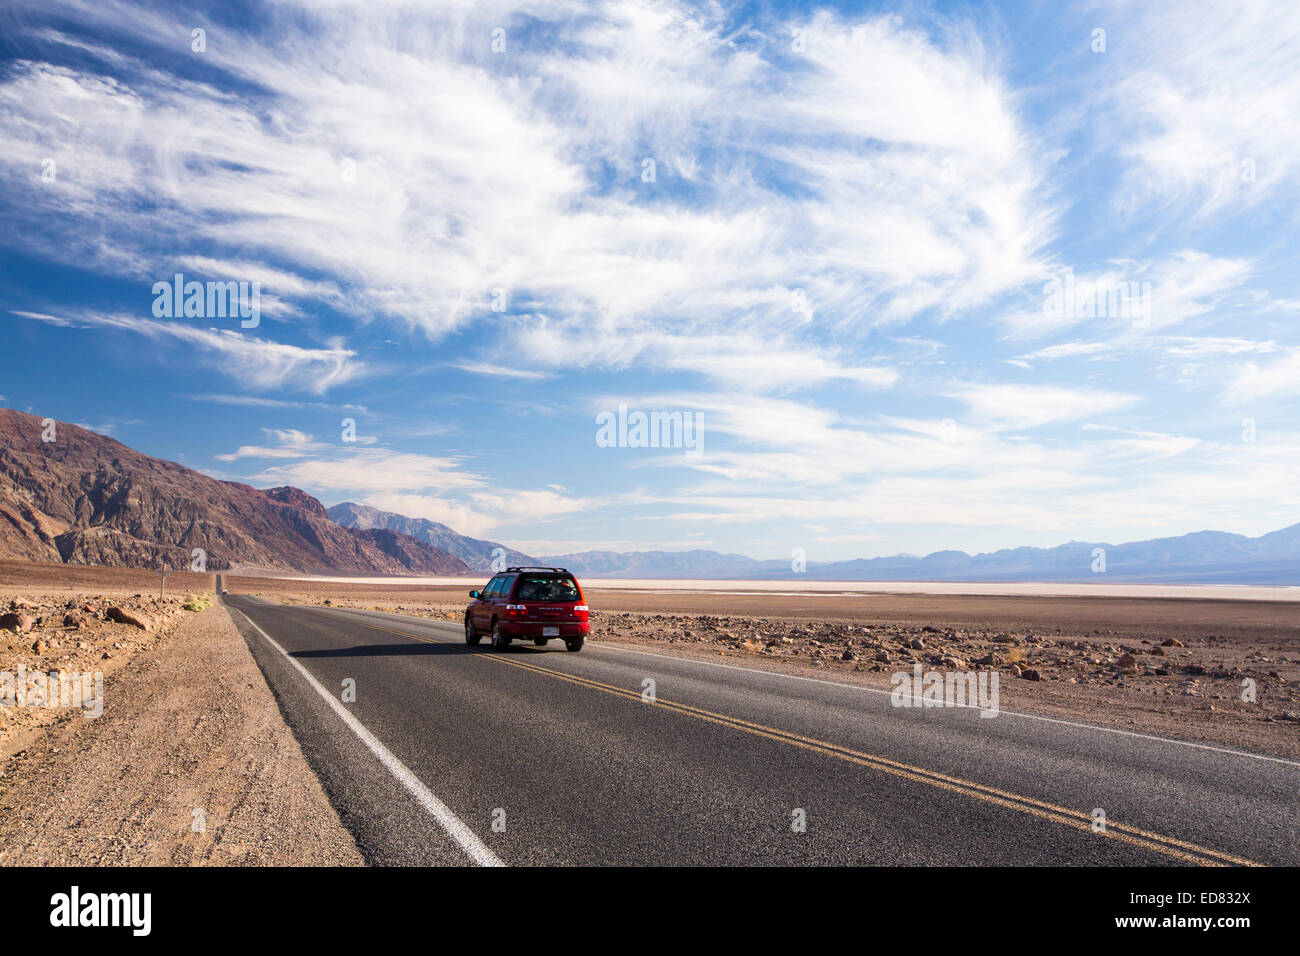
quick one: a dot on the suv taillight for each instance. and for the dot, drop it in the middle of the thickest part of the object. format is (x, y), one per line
(580, 612)
(516, 610)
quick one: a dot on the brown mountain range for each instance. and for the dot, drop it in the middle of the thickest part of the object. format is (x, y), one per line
(87, 499)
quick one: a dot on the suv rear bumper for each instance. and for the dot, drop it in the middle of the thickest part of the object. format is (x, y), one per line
(569, 630)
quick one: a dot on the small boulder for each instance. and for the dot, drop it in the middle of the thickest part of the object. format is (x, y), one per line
(16, 621)
(117, 614)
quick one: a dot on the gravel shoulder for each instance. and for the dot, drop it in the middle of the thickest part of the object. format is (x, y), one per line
(191, 763)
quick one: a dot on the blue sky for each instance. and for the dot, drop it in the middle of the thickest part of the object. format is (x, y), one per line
(843, 263)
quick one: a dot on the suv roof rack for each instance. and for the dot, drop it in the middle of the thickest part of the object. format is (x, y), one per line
(537, 567)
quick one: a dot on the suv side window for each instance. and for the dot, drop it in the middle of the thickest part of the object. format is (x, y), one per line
(489, 590)
(507, 585)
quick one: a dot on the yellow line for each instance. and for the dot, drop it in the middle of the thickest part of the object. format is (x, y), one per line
(1078, 819)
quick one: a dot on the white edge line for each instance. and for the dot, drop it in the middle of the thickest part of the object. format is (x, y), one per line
(478, 851)
(876, 690)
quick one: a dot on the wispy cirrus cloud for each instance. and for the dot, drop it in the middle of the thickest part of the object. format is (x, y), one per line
(1255, 381)
(431, 174)
(1209, 115)
(1032, 406)
(252, 361)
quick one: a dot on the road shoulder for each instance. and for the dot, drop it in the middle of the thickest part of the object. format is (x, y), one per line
(191, 763)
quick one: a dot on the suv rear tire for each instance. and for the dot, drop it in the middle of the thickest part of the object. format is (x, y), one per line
(499, 641)
(573, 645)
(472, 636)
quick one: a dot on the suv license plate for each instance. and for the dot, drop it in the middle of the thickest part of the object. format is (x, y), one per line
(550, 632)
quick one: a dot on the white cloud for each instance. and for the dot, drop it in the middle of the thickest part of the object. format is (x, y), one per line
(1277, 379)
(1206, 345)
(289, 443)
(372, 471)
(502, 371)
(1129, 299)
(1066, 350)
(251, 361)
(422, 486)
(1207, 105)
(1031, 406)
(258, 401)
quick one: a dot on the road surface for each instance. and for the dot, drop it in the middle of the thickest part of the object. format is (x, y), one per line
(455, 755)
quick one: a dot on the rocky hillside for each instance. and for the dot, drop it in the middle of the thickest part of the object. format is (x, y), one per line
(475, 552)
(87, 499)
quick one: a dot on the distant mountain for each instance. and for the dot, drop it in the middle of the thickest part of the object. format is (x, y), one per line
(1202, 557)
(83, 498)
(476, 553)
(657, 564)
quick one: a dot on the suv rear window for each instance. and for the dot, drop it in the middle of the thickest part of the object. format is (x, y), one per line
(546, 587)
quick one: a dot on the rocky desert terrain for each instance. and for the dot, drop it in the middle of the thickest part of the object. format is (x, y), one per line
(189, 762)
(71, 631)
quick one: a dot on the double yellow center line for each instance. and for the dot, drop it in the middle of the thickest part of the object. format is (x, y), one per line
(1180, 850)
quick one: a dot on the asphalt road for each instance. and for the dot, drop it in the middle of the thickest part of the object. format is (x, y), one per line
(536, 756)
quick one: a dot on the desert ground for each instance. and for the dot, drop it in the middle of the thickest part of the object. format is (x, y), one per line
(1167, 666)
(189, 761)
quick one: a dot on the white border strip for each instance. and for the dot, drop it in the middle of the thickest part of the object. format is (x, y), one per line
(452, 824)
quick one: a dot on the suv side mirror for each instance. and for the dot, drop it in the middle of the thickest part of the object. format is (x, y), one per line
(473, 594)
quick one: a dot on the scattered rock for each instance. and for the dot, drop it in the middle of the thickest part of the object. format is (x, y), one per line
(121, 616)
(16, 621)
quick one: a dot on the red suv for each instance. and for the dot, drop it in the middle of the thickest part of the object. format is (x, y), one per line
(534, 604)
